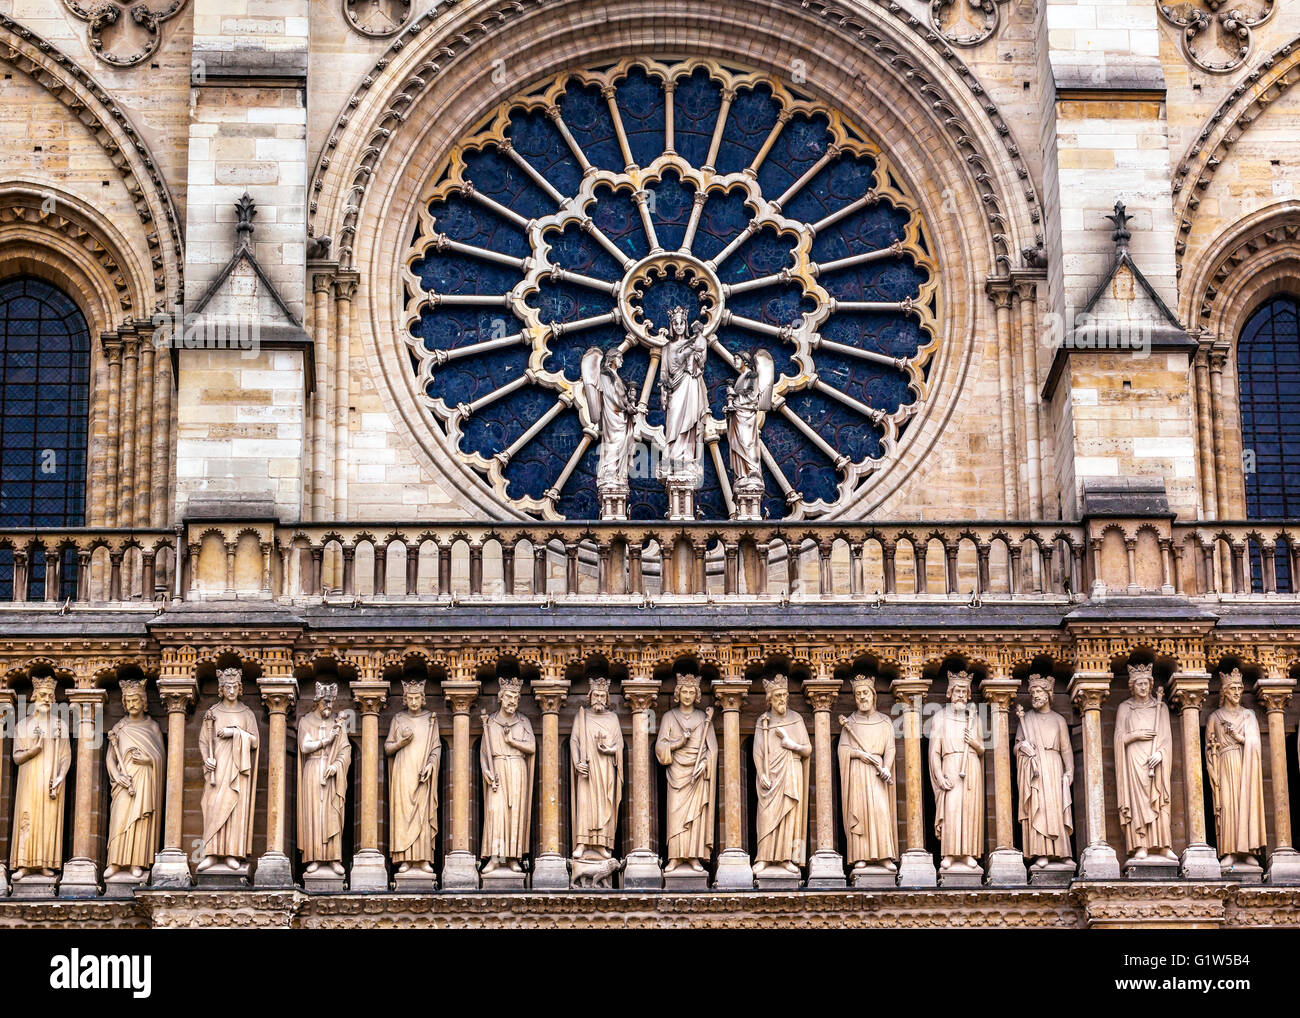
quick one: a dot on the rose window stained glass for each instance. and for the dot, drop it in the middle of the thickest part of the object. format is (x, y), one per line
(581, 212)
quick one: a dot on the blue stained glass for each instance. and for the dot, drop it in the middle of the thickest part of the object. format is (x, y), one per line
(44, 396)
(641, 102)
(1270, 421)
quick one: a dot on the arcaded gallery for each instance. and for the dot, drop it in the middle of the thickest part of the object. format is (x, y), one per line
(649, 463)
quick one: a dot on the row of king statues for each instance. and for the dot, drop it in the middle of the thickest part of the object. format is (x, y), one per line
(686, 747)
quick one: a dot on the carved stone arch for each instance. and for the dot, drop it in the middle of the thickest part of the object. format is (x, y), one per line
(1266, 82)
(928, 112)
(88, 102)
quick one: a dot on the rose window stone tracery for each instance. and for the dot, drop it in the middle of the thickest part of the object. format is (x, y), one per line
(581, 212)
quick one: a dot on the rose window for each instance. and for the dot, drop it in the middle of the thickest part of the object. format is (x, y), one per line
(581, 212)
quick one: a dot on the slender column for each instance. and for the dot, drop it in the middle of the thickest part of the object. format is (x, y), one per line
(130, 377)
(160, 453)
(916, 867)
(7, 721)
(1188, 690)
(1088, 691)
(345, 289)
(369, 868)
(1001, 297)
(1205, 436)
(144, 447)
(1006, 863)
(550, 867)
(826, 866)
(641, 871)
(81, 872)
(1284, 862)
(1220, 453)
(1027, 291)
(171, 868)
(735, 871)
(460, 869)
(96, 497)
(273, 867)
(322, 282)
(111, 500)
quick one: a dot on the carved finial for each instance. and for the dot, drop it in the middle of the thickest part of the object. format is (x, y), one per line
(1121, 236)
(245, 209)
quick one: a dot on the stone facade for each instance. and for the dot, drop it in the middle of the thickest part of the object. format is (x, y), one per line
(241, 197)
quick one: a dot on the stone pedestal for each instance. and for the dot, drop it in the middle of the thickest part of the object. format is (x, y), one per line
(80, 879)
(1151, 868)
(734, 871)
(1283, 867)
(1054, 874)
(686, 880)
(826, 871)
(122, 885)
(369, 871)
(503, 879)
(960, 875)
(35, 886)
(641, 873)
(1199, 862)
(460, 872)
(551, 873)
(613, 502)
(1246, 870)
(681, 497)
(171, 871)
(222, 877)
(1099, 862)
(871, 876)
(413, 881)
(273, 870)
(916, 869)
(1006, 868)
(775, 879)
(749, 501)
(324, 881)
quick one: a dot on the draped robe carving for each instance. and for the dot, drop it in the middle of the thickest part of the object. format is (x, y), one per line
(135, 768)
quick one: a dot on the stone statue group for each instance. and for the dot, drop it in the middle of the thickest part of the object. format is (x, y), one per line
(615, 412)
(687, 749)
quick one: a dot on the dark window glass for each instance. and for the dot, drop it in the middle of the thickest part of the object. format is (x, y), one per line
(44, 395)
(1268, 369)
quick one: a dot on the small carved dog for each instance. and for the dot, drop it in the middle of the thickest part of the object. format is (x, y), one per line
(594, 873)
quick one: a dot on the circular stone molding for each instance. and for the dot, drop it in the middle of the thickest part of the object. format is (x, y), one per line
(582, 210)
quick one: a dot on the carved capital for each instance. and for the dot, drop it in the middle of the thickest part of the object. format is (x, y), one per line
(910, 692)
(370, 695)
(461, 695)
(821, 694)
(730, 694)
(177, 695)
(1000, 692)
(278, 697)
(640, 694)
(549, 694)
(1274, 694)
(1088, 692)
(1189, 689)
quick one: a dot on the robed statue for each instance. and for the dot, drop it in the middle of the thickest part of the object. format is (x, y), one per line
(228, 745)
(1045, 775)
(414, 751)
(613, 412)
(1143, 764)
(683, 394)
(748, 401)
(324, 759)
(687, 747)
(866, 757)
(506, 755)
(1234, 760)
(135, 763)
(781, 754)
(43, 755)
(957, 777)
(596, 763)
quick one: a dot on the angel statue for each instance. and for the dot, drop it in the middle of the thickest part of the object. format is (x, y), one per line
(613, 411)
(685, 398)
(747, 403)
